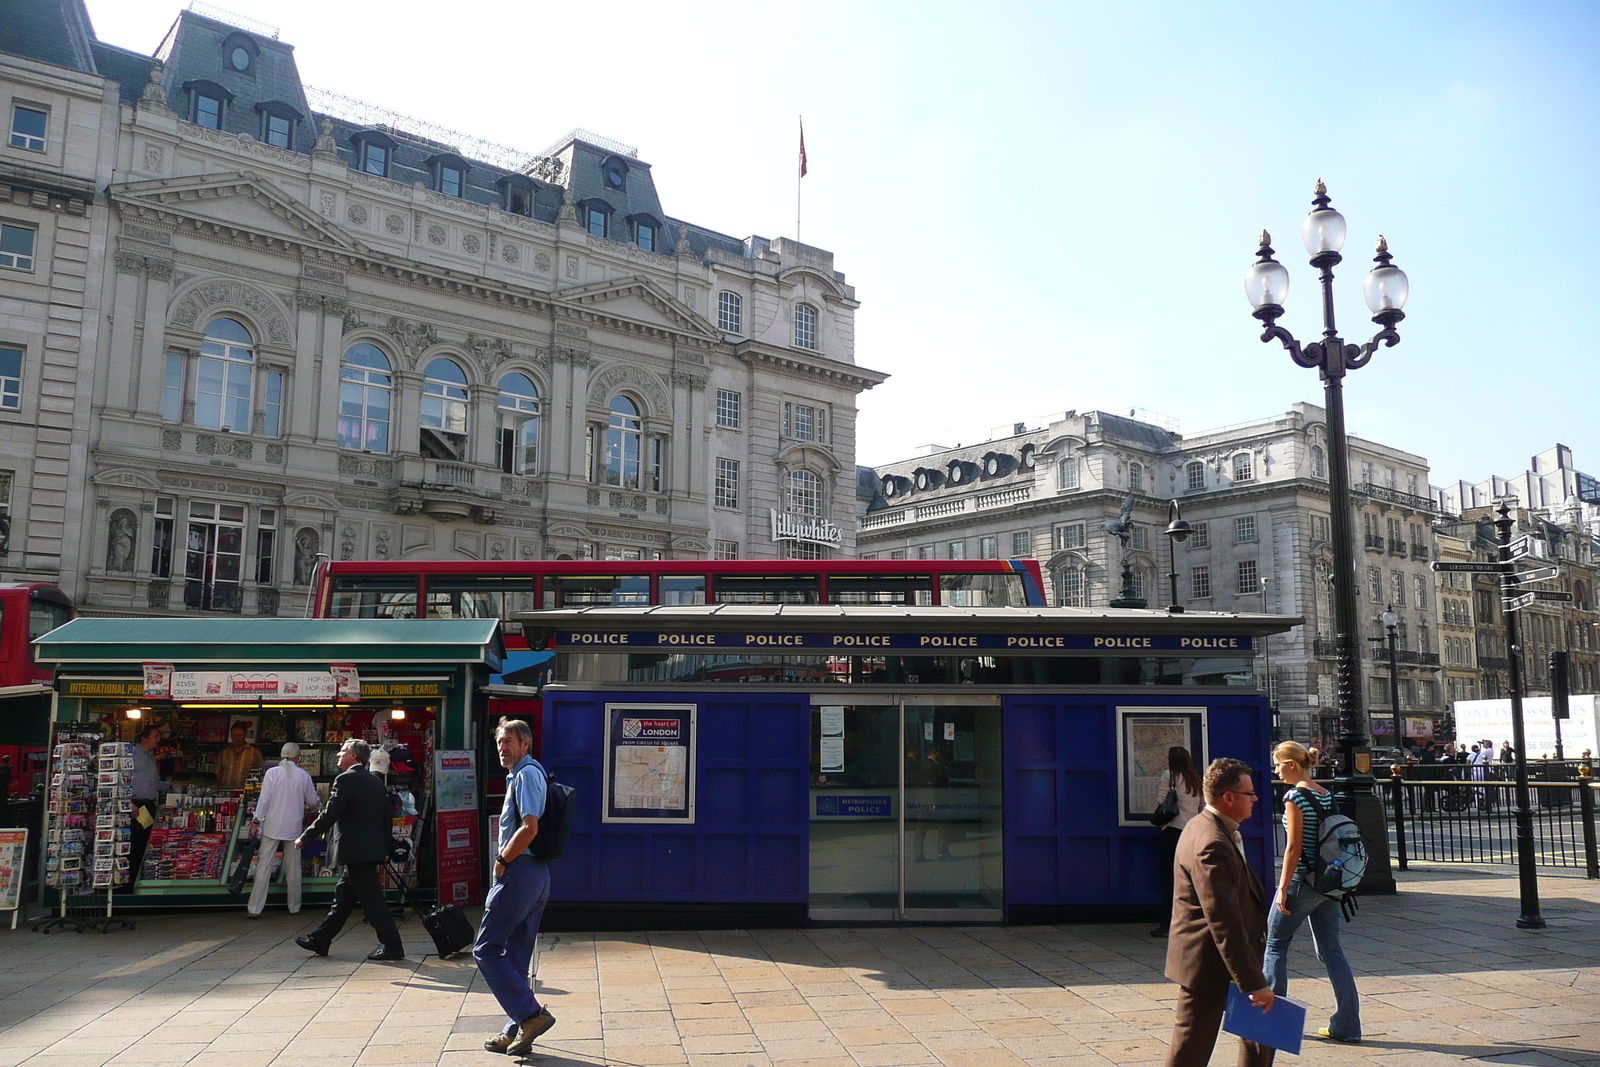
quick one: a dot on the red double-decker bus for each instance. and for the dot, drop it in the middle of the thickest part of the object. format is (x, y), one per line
(27, 610)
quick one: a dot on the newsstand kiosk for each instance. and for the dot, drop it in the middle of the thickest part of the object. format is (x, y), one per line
(412, 688)
(779, 764)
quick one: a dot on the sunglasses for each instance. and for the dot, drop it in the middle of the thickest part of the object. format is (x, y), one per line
(1241, 793)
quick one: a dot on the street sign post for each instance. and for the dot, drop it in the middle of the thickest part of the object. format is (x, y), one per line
(1538, 574)
(1470, 568)
(1522, 546)
(1517, 603)
(1551, 594)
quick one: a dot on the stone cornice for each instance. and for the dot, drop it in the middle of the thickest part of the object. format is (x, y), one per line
(817, 367)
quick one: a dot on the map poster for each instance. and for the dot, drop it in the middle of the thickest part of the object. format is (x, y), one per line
(13, 847)
(455, 800)
(1144, 736)
(650, 758)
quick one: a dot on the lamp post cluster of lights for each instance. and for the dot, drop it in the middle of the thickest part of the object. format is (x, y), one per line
(1266, 286)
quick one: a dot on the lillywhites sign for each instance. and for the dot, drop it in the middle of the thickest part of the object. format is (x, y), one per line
(254, 685)
(786, 527)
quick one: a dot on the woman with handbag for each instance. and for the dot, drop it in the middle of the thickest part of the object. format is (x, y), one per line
(1304, 807)
(1184, 800)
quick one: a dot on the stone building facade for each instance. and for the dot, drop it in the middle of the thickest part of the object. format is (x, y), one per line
(1257, 496)
(327, 331)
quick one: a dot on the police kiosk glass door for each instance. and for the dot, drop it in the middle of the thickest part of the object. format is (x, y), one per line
(905, 809)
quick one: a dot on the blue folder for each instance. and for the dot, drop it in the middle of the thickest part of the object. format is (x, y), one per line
(1282, 1028)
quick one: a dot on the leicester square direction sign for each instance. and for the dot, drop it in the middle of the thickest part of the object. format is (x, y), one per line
(1471, 568)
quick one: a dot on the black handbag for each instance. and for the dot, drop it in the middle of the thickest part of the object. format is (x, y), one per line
(1167, 810)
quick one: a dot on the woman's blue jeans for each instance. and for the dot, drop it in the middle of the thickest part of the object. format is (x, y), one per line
(1324, 913)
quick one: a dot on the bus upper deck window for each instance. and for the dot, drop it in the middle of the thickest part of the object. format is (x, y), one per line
(373, 597)
(453, 596)
(586, 591)
(914, 590)
(768, 589)
(682, 588)
(981, 590)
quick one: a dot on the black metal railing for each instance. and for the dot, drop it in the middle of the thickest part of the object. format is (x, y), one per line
(1380, 654)
(1419, 551)
(1396, 547)
(1328, 649)
(1395, 496)
(1494, 663)
(1375, 542)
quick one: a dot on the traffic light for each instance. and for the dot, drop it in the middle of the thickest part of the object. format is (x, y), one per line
(1559, 685)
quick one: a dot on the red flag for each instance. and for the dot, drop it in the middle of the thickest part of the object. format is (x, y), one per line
(802, 148)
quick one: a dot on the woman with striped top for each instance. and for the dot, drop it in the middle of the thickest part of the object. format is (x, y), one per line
(1304, 807)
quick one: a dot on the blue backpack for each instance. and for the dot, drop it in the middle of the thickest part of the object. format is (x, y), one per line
(1341, 860)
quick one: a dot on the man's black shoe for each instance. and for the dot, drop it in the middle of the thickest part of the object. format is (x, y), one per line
(386, 953)
(312, 946)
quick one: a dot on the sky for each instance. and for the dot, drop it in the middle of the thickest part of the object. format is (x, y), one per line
(1051, 206)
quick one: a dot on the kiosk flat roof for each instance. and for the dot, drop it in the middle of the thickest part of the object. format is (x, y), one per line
(896, 617)
(273, 640)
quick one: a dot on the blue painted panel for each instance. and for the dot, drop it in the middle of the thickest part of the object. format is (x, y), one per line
(1063, 845)
(751, 766)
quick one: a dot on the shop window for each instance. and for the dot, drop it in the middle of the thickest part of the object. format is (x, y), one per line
(223, 375)
(28, 126)
(162, 538)
(623, 444)
(10, 378)
(214, 557)
(16, 246)
(266, 546)
(517, 425)
(364, 399)
(443, 415)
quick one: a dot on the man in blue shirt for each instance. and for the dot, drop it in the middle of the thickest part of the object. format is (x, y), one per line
(146, 788)
(515, 904)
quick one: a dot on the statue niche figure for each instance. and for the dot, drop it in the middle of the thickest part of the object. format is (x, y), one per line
(119, 546)
(306, 546)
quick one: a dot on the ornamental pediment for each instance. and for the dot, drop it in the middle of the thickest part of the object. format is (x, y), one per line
(241, 204)
(638, 301)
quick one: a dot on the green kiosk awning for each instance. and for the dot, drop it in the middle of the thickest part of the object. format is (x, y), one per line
(105, 642)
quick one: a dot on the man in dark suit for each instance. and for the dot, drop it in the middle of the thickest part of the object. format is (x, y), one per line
(358, 815)
(1219, 921)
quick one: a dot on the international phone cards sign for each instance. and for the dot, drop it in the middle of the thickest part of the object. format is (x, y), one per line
(650, 763)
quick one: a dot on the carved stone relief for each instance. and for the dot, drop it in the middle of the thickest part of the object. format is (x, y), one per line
(470, 244)
(307, 543)
(510, 253)
(541, 263)
(436, 234)
(122, 533)
(369, 465)
(207, 445)
(356, 213)
(266, 601)
(395, 225)
(212, 294)
(347, 541)
(623, 376)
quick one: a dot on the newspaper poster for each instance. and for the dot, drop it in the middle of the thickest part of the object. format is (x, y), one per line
(1144, 737)
(649, 770)
(13, 849)
(455, 803)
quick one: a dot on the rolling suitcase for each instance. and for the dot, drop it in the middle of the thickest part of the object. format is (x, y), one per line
(450, 930)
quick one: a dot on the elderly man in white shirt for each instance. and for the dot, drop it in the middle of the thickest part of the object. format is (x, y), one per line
(287, 792)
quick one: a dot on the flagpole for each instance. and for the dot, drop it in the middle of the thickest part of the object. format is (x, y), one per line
(800, 173)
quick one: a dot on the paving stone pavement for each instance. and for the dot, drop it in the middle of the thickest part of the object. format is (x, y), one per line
(1445, 976)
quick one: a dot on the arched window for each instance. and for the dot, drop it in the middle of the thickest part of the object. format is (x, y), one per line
(1319, 468)
(1136, 478)
(364, 387)
(1243, 468)
(624, 437)
(1069, 472)
(803, 494)
(730, 312)
(1194, 476)
(222, 384)
(444, 410)
(805, 326)
(1069, 587)
(517, 425)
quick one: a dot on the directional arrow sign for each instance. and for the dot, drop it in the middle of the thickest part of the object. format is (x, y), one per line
(1538, 574)
(1517, 603)
(1471, 568)
(1522, 546)
(1556, 595)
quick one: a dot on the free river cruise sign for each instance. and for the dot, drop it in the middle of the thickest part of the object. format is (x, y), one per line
(609, 640)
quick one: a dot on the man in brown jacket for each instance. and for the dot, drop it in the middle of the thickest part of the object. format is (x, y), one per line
(1219, 921)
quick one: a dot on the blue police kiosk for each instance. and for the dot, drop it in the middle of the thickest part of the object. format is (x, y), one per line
(784, 764)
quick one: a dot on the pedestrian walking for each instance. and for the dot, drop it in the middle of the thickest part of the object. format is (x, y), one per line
(1184, 780)
(1219, 919)
(1304, 807)
(146, 787)
(359, 819)
(287, 793)
(515, 904)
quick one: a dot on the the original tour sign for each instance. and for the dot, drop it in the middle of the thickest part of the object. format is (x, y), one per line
(786, 527)
(926, 644)
(340, 682)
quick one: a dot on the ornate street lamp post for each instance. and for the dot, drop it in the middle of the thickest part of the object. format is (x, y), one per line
(1266, 285)
(1178, 530)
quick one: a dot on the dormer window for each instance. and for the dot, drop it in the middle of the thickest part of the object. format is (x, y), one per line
(596, 221)
(516, 194)
(208, 103)
(644, 235)
(449, 174)
(374, 152)
(239, 52)
(278, 122)
(616, 173)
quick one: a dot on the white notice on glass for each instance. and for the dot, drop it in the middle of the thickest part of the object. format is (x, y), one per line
(949, 731)
(832, 722)
(832, 754)
(927, 731)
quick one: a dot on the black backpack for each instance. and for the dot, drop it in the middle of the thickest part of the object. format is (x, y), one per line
(555, 825)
